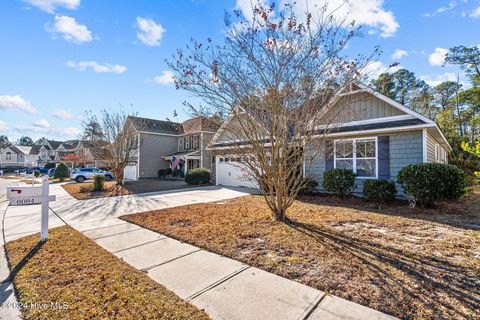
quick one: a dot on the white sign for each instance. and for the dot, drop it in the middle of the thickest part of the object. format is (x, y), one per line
(20, 196)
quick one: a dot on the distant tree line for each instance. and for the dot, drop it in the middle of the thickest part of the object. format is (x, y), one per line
(455, 107)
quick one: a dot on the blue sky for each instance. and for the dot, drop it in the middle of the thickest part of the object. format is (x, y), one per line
(60, 58)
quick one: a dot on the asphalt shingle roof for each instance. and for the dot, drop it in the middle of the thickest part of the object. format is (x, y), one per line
(156, 126)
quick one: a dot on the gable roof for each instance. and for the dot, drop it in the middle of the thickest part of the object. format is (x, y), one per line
(416, 120)
(35, 149)
(156, 126)
(54, 143)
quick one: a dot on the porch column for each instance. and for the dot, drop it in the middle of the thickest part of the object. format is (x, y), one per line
(185, 166)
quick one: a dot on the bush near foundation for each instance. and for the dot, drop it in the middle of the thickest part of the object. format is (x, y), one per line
(380, 191)
(198, 176)
(340, 181)
(429, 182)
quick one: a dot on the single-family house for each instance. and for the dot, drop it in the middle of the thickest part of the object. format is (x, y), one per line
(373, 135)
(19, 156)
(163, 143)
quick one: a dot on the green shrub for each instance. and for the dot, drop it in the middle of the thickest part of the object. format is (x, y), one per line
(340, 181)
(98, 182)
(62, 171)
(198, 176)
(161, 173)
(309, 187)
(381, 191)
(429, 182)
(36, 173)
(49, 165)
(178, 173)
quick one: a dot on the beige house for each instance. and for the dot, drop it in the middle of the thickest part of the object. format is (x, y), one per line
(163, 142)
(19, 156)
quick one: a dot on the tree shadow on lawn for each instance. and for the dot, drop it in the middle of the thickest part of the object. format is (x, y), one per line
(5, 292)
(463, 213)
(454, 286)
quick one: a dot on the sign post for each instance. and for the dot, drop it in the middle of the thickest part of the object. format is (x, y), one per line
(45, 195)
(20, 196)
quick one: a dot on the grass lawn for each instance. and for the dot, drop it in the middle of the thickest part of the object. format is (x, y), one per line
(411, 263)
(82, 191)
(73, 271)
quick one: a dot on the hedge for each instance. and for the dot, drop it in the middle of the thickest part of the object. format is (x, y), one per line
(198, 176)
(340, 181)
(429, 182)
(381, 191)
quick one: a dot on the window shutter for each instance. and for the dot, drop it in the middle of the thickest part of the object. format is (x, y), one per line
(384, 157)
(328, 155)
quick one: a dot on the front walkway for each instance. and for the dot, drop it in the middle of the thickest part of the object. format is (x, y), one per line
(224, 288)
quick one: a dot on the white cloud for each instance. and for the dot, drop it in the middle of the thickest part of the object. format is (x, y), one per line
(42, 123)
(62, 132)
(437, 58)
(12, 103)
(442, 9)
(433, 80)
(375, 68)
(165, 78)
(51, 5)
(57, 132)
(399, 54)
(475, 13)
(97, 67)
(70, 29)
(64, 115)
(363, 12)
(150, 33)
(3, 126)
(246, 6)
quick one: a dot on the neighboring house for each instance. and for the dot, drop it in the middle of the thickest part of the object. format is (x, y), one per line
(19, 156)
(374, 136)
(163, 142)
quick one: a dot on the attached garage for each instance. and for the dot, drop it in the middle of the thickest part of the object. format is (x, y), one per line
(233, 173)
(130, 171)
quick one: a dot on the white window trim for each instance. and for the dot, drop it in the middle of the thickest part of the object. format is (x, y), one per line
(354, 155)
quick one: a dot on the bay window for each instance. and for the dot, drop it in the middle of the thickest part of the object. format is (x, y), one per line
(358, 155)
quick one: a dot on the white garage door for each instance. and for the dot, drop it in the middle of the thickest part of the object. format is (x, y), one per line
(234, 174)
(130, 172)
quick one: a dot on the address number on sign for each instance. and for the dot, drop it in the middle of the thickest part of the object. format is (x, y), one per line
(23, 201)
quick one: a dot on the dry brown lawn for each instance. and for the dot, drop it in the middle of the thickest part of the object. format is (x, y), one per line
(86, 282)
(82, 191)
(411, 263)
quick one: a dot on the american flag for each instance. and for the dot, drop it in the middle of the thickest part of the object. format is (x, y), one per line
(175, 162)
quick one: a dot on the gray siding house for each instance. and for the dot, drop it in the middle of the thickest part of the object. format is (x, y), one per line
(372, 135)
(163, 142)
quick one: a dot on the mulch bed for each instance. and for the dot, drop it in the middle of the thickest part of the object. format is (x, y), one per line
(86, 282)
(82, 191)
(411, 263)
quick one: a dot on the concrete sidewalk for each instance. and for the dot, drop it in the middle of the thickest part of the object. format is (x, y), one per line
(224, 288)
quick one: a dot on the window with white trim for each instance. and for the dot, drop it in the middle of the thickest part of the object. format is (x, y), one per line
(8, 156)
(437, 153)
(359, 155)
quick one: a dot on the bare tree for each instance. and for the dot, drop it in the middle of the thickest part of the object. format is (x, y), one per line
(116, 142)
(276, 74)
